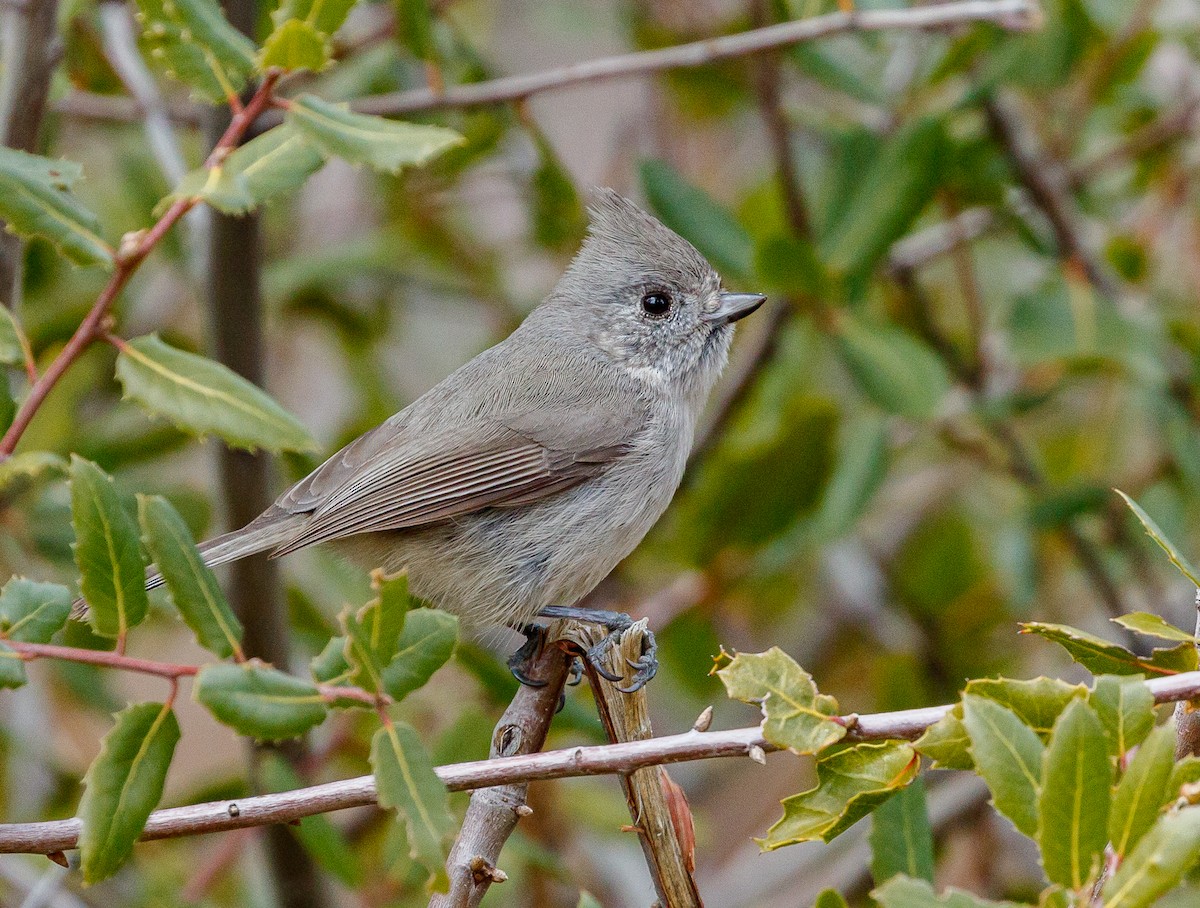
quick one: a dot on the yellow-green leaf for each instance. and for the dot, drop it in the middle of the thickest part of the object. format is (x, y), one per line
(296, 45)
(192, 41)
(1154, 532)
(851, 782)
(11, 349)
(1166, 852)
(107, 551)
(1101, 657)
(1143, 790)
(35, 200)
(1150, 625)
(385, 145)
(31, 612)
(204, 397)
(123, 785)
(796, 715)
(903, 892)
(1008, 755)
(406, 782)
(1126, 710)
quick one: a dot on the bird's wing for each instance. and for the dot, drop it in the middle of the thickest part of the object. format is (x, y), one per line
(390, 483)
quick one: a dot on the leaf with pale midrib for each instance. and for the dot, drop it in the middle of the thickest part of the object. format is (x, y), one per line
(259, 701)
(1008, 755)
(1168, 850)
(1143, 790)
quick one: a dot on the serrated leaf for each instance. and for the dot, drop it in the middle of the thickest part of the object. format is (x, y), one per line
(1125, 707)
(192, 41)
(278, 161)
(947, 742)
(35, 200)
(1156, 866)
(902, 837)
(1076, 793)
(203, 397)
(425, 646)
(1008, 755)
(123, 785)
(321, 838)
(1142, 791)
(795, 715)
(1101, 657)
(1037, 702)
(902, 892)
(107, 552)
(1151, 625)
(850, 783)
(406, 782)
(258, 701)
(384, 145)
(192, 585)
(11, 350)
(1154, 532)
(296, 45)
(12, 668)
(698, 218)
(31, 612)
(891, 367)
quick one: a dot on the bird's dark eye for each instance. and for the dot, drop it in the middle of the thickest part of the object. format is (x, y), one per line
(657, 304)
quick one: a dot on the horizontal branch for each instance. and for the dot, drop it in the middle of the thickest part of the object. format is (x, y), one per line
(1018, 15)
(607, 759)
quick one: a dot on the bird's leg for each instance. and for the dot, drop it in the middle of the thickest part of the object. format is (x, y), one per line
(518, 662)
(616, 623)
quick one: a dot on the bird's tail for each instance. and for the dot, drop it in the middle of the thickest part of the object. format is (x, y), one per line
(259, 535)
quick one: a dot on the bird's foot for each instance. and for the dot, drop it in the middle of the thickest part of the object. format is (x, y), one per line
(616, 623)
(518, 662)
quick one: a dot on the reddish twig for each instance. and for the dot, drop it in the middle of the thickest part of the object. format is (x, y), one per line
(134, 249)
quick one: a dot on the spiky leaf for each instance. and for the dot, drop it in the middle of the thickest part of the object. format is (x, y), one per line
(192, 41)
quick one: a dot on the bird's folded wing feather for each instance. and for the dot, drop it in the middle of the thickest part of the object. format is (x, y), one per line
(501, 461)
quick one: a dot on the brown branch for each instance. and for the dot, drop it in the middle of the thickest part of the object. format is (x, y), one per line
(1017, 15)
(494, 811)
(605, 759)
(135, 247)
(1187, 718)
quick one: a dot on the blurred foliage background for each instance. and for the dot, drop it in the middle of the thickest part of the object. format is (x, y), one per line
(982, 252)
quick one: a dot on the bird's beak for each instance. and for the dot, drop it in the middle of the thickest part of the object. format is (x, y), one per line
(734, 306)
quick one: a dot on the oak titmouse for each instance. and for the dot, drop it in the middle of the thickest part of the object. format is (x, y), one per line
(523, 478)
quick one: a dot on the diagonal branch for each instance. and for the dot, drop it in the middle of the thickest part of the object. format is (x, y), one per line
(605, 759)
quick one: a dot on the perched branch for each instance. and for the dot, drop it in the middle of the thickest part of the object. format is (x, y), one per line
(493, 812)
(605, 759)
(135, 247)
(1187, 719)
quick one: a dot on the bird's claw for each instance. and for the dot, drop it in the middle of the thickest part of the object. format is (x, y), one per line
(519, 661)
(645, 667)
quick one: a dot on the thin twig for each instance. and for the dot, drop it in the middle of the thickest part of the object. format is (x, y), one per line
(135, 247)
(605, 759)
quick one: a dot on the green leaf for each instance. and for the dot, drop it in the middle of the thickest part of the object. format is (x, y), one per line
(365, 670)
(107, 551)
(296, 45)
(862, 463)
(258, 701)
(902, 892)
(1152, 530)
(190, 40)
(796, 715)
(1151, 625)
(1008, 755)
(698, 218)
(123, 785)
(1073, 804)
(193, 587)
(11, 350)
(850, 783)
(885, 197)
(425, 646)
(1143, 790)
(891, 367)
(415, 26)
(902, 837)
(19, 470)
(203, 397)
(1168, 850)
(406, 782)
(1125, 707)
(947, 742)
(830, 898)
(12, 668)
(1037, 702)
(278, 161)
(557, 212)
(31, 612)
(325, 16)
(330, 664)
(384, 145)
(321, 838)
(35, 201)
(1100, 657)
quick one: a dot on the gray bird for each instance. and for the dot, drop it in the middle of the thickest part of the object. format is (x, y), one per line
(521, 480)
